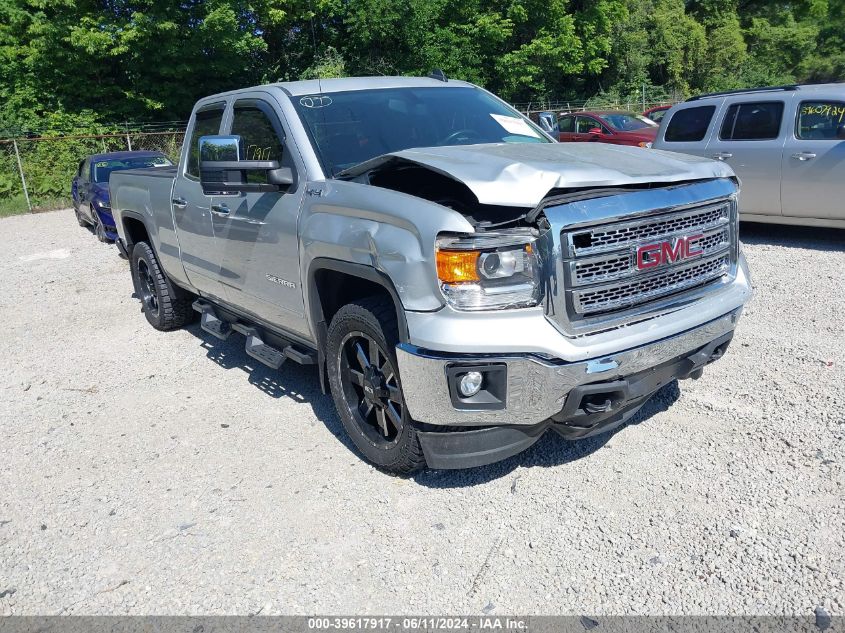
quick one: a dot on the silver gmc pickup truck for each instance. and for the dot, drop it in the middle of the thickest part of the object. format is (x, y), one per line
(462, 282)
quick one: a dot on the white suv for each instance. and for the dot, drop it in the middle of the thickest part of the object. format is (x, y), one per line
(786, 144)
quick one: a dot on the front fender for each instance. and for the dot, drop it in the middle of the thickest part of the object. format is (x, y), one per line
(105, 216)
(391, 232)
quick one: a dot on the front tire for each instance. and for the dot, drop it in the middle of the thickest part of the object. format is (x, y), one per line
(166, 306)
(79, 219)
(366, 387)
(99, 229)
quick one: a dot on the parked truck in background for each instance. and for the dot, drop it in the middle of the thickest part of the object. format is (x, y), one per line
(463, 283)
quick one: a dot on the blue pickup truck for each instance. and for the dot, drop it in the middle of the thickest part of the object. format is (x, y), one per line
(90, 187)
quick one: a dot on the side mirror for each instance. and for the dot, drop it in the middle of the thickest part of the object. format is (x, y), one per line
(223, 171)
(840, 132)
(595, 131)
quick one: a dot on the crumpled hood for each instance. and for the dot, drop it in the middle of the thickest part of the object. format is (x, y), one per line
(521, 174)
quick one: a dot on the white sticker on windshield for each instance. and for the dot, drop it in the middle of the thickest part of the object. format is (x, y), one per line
(315, 101)
(514, 125)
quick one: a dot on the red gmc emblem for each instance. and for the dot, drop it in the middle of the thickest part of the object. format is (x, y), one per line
(681, 248)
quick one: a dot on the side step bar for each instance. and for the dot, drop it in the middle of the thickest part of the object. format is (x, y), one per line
(255, 346)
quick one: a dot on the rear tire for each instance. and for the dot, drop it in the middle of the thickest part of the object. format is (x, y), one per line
(366, 387)
(166, 305)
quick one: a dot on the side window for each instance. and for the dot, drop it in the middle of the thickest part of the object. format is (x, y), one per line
(207, 123)
(584, 124)
(752, 121)
(820, 120)
(567, 124)
(260, 140)
(689, 125)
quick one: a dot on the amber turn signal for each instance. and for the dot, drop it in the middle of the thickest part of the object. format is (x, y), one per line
(457, 266)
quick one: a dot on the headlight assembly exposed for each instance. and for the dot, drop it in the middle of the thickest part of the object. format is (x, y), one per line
(488, 271)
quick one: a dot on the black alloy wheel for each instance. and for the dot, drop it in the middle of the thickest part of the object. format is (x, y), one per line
(147, 287)
(367, 388)
(371, 390)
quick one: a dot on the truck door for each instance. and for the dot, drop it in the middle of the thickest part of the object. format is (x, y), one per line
(813, 183)
(750, 139)
(192, 208)
(258, 231)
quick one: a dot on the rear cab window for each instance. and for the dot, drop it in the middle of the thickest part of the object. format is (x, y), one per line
(819, 120)
(207, 123)
(759, 121)
(689, 125)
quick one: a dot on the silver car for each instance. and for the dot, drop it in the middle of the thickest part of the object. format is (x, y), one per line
(786, 144)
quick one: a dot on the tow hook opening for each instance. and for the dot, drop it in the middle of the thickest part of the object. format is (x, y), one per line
(718, 352)
(587, 401)
(597, 403)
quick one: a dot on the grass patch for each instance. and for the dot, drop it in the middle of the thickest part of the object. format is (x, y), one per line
(17, 205)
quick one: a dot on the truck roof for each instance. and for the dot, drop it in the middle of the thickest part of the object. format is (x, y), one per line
(314, 86)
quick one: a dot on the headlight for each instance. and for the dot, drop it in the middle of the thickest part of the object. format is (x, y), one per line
(102, 207)
(488, 271)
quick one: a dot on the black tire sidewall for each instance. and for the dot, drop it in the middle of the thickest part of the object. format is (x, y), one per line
(354, 318)
(99, 229)
(142, 251)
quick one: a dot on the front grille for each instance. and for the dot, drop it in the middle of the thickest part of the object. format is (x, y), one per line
(616, 236)
(601, 262)
(617, 296)
(616, 266)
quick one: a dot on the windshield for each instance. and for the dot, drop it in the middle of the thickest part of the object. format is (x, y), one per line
(103, 168)
(627, 122)
(348, 128)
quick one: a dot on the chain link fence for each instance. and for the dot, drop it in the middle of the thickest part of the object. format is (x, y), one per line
(532, 107)
(36, 173)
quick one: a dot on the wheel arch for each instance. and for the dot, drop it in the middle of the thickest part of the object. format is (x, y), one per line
(333, 283)
(135, 230)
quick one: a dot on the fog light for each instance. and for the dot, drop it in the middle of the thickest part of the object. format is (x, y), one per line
(470, 383)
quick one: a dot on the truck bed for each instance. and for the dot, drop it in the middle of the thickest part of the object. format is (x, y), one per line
(145, 194)
(142, 191)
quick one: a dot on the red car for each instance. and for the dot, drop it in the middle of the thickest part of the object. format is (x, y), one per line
(617, 128)
(657, 113)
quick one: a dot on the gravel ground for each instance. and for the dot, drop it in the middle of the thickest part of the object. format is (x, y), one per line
(143, 472)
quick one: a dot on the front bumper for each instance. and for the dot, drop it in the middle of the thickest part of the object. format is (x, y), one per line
(536, 387)
(620, 400)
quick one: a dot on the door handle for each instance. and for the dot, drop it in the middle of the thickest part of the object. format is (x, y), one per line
(179, 203)
(723, 156)
(220, 209)
(804, 155)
